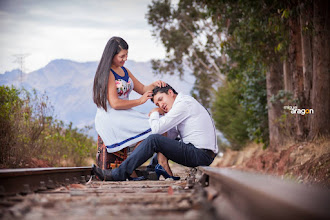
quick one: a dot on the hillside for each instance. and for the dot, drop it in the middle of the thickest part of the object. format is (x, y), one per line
(305, 162)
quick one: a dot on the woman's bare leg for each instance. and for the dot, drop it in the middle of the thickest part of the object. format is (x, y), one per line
(163, 161)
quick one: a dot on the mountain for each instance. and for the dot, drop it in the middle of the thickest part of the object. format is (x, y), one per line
(8, 77)
(69, 84)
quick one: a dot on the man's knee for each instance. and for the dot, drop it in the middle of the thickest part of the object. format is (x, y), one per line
(154, 137)
(153, 141)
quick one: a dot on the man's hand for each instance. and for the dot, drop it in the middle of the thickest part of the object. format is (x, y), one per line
(159, 110)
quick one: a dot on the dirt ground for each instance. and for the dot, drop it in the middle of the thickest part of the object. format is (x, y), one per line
(305, 162)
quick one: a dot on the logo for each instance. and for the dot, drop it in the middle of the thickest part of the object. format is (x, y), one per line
(295, 110)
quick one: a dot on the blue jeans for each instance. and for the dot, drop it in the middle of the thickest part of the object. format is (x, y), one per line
(177, 151)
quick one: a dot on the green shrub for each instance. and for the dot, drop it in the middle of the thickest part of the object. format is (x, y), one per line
(29, 131)
(229, 116)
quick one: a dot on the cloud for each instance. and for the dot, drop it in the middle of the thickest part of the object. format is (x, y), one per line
(76, 30)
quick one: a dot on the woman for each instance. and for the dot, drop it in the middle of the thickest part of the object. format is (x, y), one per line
(116, 122)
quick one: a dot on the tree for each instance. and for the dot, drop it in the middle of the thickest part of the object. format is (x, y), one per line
(229, 115)
(191, 41)
(276, 34)
(321, 67)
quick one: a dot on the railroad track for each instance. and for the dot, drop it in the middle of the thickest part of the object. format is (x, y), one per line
(241, 195)
(25, 181)
(203, 193)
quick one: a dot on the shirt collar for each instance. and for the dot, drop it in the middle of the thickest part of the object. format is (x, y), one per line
(177, 98)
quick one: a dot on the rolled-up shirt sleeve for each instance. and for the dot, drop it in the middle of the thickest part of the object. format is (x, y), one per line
(160, 125)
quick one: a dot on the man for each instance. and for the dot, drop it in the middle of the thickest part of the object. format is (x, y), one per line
(184, 117)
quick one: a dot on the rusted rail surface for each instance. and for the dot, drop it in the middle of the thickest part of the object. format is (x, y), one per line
(242, 195)
(24, 181)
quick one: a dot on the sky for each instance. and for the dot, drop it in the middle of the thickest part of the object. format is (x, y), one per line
(44, 30)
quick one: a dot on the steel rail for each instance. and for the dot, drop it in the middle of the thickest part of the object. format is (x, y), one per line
(24, 181)
(245, 195)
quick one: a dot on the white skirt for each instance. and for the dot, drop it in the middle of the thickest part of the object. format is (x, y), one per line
(121, 128)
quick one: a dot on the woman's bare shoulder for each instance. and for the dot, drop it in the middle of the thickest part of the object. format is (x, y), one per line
(127, 70)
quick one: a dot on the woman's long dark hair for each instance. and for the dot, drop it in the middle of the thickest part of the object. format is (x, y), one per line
(100, 87)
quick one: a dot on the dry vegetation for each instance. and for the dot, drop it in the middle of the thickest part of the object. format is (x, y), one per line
(31, 136)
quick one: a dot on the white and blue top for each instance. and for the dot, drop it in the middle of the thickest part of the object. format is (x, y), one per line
(121, 128)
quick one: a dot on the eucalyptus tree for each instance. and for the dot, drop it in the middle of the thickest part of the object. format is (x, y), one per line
(282, 46)
(191, 41)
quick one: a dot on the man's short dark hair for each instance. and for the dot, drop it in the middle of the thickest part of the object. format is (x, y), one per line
(162, 90)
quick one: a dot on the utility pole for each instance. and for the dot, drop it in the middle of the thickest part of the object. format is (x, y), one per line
(20, 60)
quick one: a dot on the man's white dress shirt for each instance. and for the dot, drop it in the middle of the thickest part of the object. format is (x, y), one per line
(190, 120)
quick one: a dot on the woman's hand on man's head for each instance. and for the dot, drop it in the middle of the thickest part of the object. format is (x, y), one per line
(159, 83)
(147, 95)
